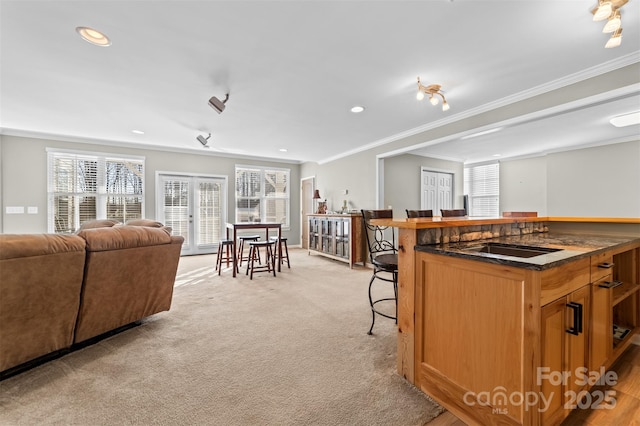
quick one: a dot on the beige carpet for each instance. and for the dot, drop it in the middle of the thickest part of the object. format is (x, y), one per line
(289, 350)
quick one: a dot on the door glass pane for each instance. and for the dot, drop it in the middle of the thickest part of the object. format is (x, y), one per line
(209, 213)
(176, 207)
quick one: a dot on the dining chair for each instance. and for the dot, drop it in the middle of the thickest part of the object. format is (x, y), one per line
(453, 213)
(419, 213)
(383, 254)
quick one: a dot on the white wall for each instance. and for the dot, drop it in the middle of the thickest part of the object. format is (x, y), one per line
(403, 179)
(523, 185)
(595, 182)
(24, 178)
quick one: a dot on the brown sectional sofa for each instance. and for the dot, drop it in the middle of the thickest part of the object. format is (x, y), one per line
(60, 290)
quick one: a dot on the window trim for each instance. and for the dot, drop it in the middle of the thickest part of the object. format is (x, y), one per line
(472, 193)
(263, 197)
(101, 193)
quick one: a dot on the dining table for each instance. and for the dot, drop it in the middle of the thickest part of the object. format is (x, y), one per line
(232, 233)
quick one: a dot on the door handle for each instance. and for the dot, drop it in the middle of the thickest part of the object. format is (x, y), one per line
(577, 318)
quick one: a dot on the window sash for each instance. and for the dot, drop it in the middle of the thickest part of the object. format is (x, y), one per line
(88, 186)
(262, 195)
(482, 185)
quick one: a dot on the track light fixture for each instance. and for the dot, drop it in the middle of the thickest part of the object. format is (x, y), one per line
(433, 90)
(609, 10)
(217, 104)
(204, 140)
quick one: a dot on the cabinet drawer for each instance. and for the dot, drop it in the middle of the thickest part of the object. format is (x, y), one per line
(599, 269)
(557, 282)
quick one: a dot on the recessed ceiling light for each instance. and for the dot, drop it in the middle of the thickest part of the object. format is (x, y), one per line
(626, 119)
(356, 109)
(283, 149)
(138, 132)
(485, 132)
(497, 155)
(93, 36)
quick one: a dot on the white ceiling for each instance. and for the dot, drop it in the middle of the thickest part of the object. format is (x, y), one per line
(295, 68)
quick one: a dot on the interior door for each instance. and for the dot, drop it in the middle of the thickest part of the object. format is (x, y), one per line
(436, 190)
(195, 208)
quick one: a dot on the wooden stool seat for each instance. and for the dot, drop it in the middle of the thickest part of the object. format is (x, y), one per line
(242, 239)
(254, 249)
(225, 253)
(285, 255)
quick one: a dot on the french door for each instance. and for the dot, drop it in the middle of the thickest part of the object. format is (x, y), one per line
(195, 207)
(436, 190)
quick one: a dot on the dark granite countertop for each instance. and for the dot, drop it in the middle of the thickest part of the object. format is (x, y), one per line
(573, 247)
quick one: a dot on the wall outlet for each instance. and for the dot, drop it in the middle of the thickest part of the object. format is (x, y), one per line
(32, 210)
(345, 191)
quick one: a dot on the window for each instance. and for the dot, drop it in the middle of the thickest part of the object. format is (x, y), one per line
(482, 185)
(262, 195)
(87, 186)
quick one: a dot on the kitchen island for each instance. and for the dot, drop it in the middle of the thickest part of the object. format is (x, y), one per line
(488, 335)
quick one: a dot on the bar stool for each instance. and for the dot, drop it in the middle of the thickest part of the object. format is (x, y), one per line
(254, 249)
(242, 239)
(282, 256)
(224, 245)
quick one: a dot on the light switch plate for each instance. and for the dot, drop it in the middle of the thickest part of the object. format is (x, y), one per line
(32, 210)
(15, 210)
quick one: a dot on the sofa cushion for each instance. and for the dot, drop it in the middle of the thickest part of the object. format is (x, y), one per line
(144, 222)
(123, 237)
(29, 245)
(98, 223)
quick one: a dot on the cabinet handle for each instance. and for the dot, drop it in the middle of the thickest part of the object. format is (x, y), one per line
(605, 265)
(577, 318)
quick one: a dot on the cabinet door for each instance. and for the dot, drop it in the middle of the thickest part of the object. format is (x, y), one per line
(565, 355)
(577, 344)
(313, 233)
(553, 351)
(601, 333)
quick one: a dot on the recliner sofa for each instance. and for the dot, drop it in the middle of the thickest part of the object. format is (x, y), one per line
(60, 290)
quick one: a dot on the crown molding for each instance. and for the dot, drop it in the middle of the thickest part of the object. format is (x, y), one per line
(582, 75)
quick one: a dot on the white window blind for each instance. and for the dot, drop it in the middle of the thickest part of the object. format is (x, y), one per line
(482, 185)
(87, 186)
(262, 195)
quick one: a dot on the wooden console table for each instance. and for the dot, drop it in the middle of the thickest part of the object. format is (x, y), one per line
(337, 236)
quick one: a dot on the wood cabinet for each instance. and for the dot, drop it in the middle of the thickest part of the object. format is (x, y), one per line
(615, 294)
(564, 336)
(487, 334)
(338, 237)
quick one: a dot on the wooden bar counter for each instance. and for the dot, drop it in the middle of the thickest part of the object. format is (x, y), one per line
(470, 323)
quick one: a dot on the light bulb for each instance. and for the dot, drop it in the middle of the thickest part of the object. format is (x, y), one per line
(613, 24)
(420, 95)
(615, 40)
(433, 100)
(603, 12)
(445, 106)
